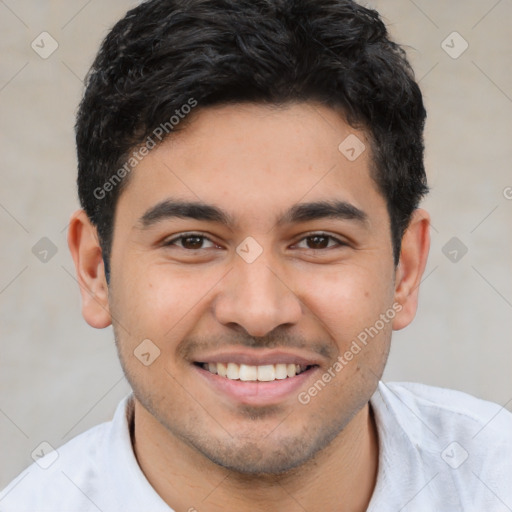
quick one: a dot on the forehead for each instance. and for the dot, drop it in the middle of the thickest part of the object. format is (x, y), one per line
(253, 159)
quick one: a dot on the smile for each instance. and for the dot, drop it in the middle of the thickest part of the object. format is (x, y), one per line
(262, 373)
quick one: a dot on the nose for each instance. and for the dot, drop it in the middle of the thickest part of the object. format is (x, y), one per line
(256, 297)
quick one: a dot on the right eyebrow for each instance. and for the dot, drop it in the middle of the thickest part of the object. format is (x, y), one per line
(185, 210)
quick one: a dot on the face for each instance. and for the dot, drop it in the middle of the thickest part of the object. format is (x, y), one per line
(287, 263)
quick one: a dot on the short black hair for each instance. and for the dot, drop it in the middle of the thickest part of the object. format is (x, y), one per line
(168, 54)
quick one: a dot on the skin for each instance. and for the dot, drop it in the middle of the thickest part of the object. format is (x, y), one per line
(198, 447)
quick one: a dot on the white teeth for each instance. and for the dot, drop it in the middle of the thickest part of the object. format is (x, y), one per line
(262, 373)
(247, 372)
(233, 371)
(222, 369)
(266, 372)
(281, 371)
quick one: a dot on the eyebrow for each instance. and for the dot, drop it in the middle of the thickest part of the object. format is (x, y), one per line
(300, 212)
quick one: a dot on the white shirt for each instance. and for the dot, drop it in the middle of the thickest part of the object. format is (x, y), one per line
(440, 450)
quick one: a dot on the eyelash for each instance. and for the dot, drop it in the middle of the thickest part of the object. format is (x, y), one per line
(183, 236)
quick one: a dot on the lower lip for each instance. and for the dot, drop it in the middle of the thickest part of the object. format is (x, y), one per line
(255, 392)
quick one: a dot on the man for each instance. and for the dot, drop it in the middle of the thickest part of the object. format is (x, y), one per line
(250, 173)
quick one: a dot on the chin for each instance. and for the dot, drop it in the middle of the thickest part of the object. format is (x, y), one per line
(267, 456)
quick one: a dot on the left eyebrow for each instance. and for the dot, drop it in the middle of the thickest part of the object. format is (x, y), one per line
(300, 212)
(340, 210)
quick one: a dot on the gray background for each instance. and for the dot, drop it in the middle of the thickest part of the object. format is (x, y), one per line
(58, 376)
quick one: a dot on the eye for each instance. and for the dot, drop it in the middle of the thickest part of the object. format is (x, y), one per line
(319, 241)
(189, 241)
(196, 241)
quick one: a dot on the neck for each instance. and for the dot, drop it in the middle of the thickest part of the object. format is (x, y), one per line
(341, 477)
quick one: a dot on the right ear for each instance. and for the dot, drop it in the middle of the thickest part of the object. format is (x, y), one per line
(86, 251)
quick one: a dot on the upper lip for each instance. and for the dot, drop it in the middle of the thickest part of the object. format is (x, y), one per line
(259, 357)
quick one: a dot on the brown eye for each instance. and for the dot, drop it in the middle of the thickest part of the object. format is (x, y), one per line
(320, 241)
(191, 242)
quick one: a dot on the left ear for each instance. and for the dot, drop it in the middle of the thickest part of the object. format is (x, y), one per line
(413, 259)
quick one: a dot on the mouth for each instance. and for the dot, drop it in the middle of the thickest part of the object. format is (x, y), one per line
(261, 373)
(256, 385)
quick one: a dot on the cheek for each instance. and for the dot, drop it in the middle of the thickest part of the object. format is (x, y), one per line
(163, 301)
(347, 300)
(158, 305)
(143, 300)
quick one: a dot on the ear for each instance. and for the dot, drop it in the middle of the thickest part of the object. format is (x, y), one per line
(85, 249)
(413, 259)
